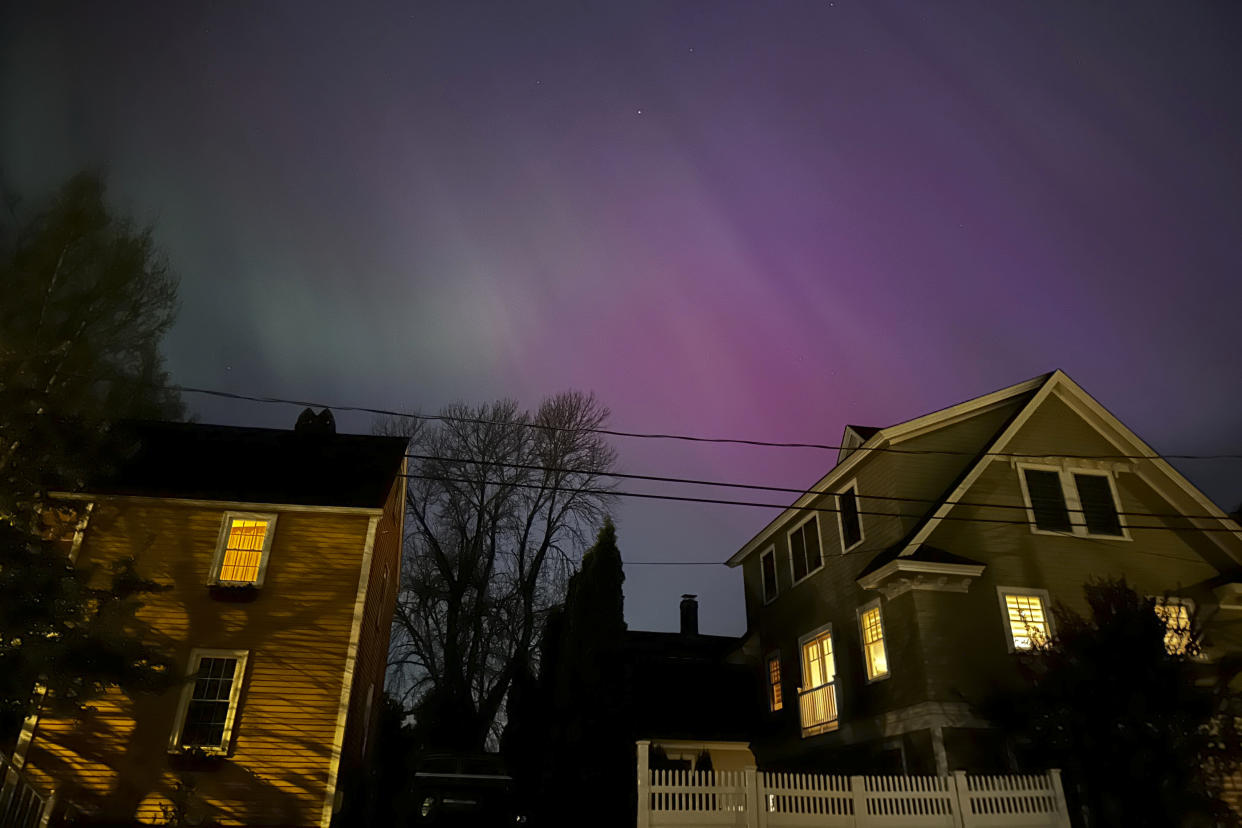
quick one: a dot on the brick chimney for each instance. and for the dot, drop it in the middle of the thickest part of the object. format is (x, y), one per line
(689, 615)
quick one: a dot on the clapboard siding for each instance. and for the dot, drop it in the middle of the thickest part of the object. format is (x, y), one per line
(297, 630)
(832, 596)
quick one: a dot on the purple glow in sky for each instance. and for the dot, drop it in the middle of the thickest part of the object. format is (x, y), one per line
(734, 219)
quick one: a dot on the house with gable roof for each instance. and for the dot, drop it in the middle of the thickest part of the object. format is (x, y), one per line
(888, 598)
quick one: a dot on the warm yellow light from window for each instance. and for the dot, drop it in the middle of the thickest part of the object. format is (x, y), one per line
(873, 644)
(244, 551)
(774, 681)
(818, 662)
(1176, 618)
(1026, 620)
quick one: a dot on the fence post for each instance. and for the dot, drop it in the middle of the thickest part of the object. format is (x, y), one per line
(644, 783)
(1058, 794)
(755, 814)
(963, 814)
(45, 817)
(858, 790)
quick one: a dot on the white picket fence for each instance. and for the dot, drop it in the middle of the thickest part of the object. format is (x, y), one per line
(759, 799)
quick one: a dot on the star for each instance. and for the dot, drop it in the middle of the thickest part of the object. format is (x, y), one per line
(640, 112)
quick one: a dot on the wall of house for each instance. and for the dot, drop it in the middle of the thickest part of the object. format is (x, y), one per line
(965, 634)
(383, 581)
(297, 630)
(832, 596)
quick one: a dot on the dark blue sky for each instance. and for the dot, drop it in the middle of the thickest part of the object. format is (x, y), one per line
(738, 219)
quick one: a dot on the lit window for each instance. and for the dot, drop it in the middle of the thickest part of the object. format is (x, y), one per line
(209, 704)
(851, 523)
(1176, 617)
(804, 551)
(1071, 501)
(818, 667)
(767, 569)
(775, 701)
(245, 541)
(874, 652)
(1028, 621)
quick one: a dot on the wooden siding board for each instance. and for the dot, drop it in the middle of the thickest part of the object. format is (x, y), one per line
(296, 629)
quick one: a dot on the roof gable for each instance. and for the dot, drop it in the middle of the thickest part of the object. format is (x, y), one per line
(1153, 469)
(882, 439)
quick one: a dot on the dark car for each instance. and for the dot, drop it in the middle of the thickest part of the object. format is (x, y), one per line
(463, 789)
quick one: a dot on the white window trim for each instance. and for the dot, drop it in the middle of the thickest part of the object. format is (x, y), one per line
(187, 692)
(819, 531)
(767, 678)
(862, 639)
(1002, 591)
(776, 593)
(1073, 504)
(862, 533)
(222, 541)
(816, 633)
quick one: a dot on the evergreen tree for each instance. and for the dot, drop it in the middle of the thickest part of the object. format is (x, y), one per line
(593, 743)
(87, 299)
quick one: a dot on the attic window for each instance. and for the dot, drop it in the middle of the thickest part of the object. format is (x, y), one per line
(1071, 501)
(243, 548)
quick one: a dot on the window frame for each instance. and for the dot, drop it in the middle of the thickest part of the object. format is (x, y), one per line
(217, 561)
(1042, 594)
(774, 655)
(770, 552)
(183, 707)
(1073, 503)
(818, 632)
(819, 535)
(862, 638)
(862, 533)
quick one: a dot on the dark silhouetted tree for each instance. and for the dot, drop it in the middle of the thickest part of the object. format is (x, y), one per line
(87, 300)
(498, 505)
(1145, 736)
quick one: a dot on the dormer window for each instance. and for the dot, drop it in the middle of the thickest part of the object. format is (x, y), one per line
(243, 548)
(1071, 501)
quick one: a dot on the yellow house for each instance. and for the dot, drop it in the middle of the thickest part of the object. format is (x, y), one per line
(280, 551)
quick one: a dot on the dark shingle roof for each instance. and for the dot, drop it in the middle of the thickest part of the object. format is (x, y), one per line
(253, 465)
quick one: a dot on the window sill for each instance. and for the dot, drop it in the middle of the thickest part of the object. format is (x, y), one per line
(233, 593)
(192, 759)
(1124, 536)
(807, 576)
(878, 679)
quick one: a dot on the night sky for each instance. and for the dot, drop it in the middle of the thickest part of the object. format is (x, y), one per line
(748, 219)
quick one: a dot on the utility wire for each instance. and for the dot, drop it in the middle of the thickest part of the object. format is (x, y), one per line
(698, 482)
(722, 502)
(667, 436)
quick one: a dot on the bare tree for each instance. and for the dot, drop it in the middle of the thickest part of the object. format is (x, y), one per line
(500, 503)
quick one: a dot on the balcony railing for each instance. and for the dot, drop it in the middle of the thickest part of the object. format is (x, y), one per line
(819, 709)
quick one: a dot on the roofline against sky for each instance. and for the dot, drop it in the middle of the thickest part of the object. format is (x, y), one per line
(884, 437)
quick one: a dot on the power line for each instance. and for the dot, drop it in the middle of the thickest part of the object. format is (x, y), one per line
(782, 506)
(669, 436)
(758, 487)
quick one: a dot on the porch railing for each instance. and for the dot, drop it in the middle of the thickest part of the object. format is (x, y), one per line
(818, 706)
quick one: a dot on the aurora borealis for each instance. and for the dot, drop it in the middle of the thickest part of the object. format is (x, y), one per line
(725, 218)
